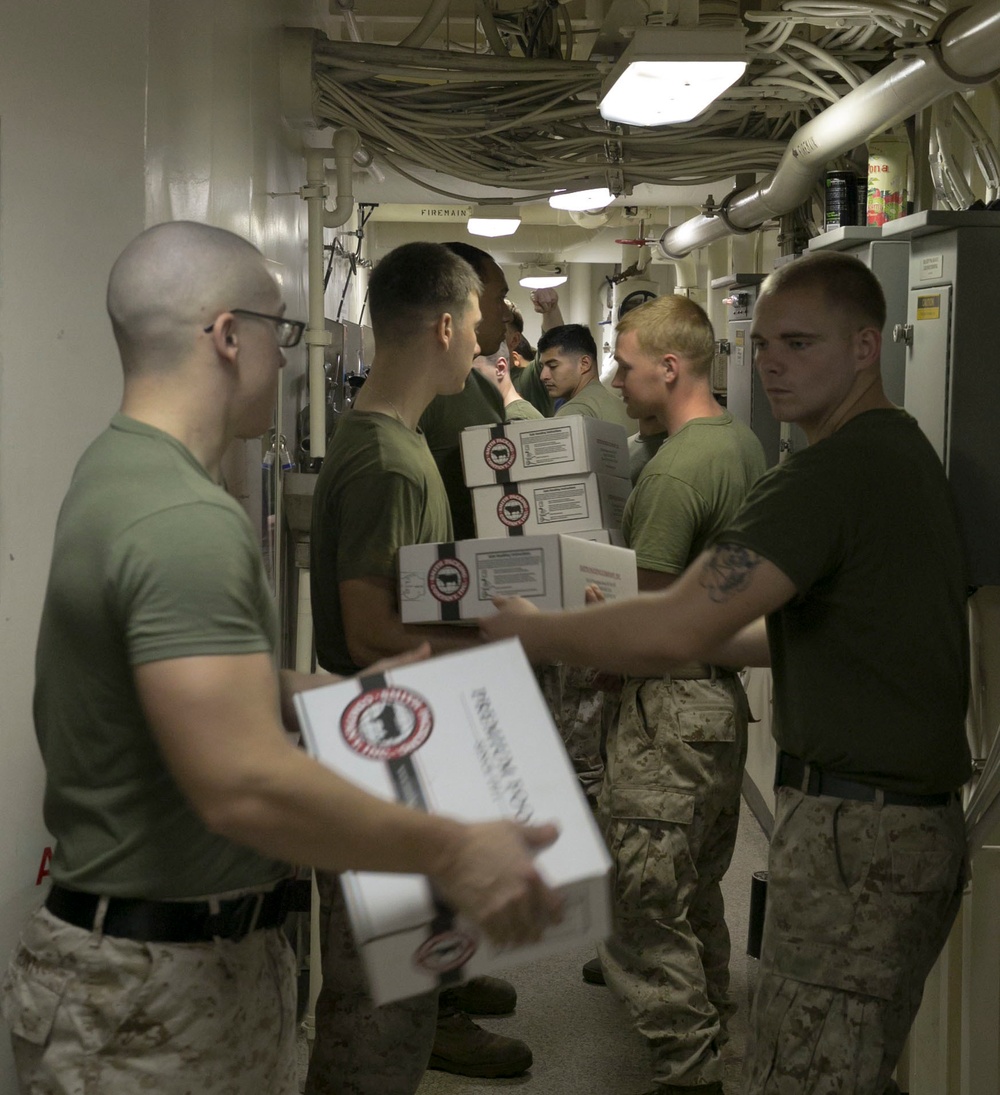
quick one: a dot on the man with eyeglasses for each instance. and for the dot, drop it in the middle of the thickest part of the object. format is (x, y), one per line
(175, 797)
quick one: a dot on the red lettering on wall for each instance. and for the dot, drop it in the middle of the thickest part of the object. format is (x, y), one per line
(43, 867)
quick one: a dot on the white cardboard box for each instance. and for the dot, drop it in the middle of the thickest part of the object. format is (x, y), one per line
(571, 503)
(530, 449)
(468, 735)
(457, 581)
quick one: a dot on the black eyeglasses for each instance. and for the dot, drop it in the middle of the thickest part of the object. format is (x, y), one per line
(288, 331)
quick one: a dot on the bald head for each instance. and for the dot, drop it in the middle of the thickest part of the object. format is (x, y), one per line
(172, 281)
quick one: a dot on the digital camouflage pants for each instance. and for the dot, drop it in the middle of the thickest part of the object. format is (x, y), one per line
(860, 900)
(670, 810)
(362, 1049)
(92, 1014)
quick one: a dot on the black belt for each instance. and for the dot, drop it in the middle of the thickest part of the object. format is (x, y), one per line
(810, 780)
(173, 921)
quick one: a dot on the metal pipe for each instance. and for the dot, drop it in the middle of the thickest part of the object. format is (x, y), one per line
(966, 51)
(428, 24)
(345, 142)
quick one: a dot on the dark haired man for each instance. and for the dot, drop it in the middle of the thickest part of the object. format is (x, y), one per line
(843, 571)
(379, 489)
(570, 370)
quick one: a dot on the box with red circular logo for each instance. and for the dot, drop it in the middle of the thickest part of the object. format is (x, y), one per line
(468, 735)
(568, 503)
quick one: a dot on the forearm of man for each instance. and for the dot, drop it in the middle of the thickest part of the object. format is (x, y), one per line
(215, 719)
(748, 646)
(695, 619)
(374, 630)
(552, 318)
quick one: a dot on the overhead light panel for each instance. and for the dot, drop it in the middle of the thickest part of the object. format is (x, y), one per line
(542, 275)
(582, 201)
(494, 220)
(671, 74)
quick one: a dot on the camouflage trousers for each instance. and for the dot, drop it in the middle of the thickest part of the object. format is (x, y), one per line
(91, 1013)
(861, 898)
(670, 810)
(583, 714)
(362, 1049)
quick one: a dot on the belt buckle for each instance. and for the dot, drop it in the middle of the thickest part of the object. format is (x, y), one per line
(236, 918)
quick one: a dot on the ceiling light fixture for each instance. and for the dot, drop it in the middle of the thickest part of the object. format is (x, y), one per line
(494, 220)
(542, 275)
(582, 201)
(671, 74)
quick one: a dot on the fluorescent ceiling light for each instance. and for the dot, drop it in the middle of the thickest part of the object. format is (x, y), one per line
(582, 200)
(494, 220)
(542, 275)
(671, 74)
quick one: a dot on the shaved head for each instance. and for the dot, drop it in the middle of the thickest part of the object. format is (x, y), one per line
(172, 281)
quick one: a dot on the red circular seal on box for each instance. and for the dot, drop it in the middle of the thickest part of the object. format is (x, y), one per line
(448, 580)
(513, 510)
(499, 453)
(386, 723)
(445, 952)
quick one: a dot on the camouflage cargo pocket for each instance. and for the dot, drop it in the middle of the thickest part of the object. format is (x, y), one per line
(30, 995)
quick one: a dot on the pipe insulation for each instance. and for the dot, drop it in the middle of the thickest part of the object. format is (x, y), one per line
(346, 142)
(964, 53)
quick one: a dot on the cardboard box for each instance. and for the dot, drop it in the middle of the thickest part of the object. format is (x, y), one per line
(521, 451)
(471, 737)
(571, 503)
(457, 581)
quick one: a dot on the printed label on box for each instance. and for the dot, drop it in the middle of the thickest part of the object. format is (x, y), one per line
(510, 574)
(564, 503)
(551, 446)
(513, 510)
(500, 453)
(448, 580)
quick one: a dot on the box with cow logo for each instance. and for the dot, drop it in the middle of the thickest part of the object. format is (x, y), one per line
(458, 581)
(468, 735)
(533, 449)
(570, 503)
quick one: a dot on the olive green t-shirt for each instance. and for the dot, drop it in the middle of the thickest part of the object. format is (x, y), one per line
(870, 658)
(693, 486)
(529, 385)
(378, 489)
(151, 561)
(641, 449)
(595, 401)
(478, 404)
(520, 410)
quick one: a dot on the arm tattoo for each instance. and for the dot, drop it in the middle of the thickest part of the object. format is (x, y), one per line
(728, 571)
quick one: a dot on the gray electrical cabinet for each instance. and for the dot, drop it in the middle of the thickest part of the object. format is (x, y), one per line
(888, 260)
(952, 373)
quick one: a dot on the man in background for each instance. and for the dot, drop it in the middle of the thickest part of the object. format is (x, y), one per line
(569, 369)
(496, 368)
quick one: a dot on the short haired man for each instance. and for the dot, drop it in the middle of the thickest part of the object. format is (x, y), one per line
(670, 801)
(478, 403)
(843, 571)
(569, 369)
(378, 490)
(496, 368)
(174, 796)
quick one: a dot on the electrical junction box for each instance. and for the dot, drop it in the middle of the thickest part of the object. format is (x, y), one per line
(470, 736)
(458, 581)
(951, 383)
(533, 449)
(568, 503)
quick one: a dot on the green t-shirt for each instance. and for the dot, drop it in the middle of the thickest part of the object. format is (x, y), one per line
(520, 410)
(478, 404)
(870, 659)
(641, 449)
(529, 385)
(151, 561)
(693, 486)
(378, 489)
(595, 401)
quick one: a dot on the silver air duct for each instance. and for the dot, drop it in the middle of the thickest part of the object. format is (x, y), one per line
(963, 52)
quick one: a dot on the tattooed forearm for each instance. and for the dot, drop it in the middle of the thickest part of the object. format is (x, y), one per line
(728, 570)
